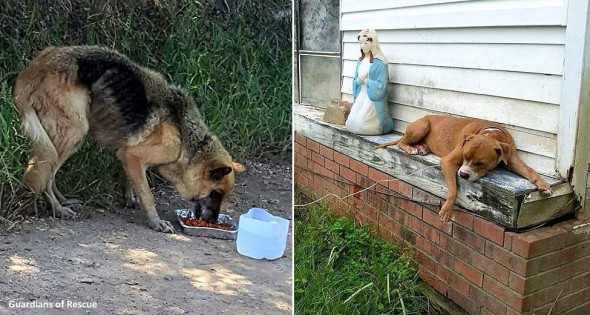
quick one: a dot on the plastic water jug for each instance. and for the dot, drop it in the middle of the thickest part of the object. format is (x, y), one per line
(262, 235)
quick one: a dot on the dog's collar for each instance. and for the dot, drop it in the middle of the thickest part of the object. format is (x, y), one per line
(491, 129)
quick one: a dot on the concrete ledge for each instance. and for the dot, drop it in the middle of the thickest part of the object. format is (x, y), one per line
(502, 196)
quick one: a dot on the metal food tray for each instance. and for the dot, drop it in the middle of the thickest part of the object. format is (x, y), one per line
(207, 231)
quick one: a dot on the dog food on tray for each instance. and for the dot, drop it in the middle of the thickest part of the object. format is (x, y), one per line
(225, 228)
(203, 223)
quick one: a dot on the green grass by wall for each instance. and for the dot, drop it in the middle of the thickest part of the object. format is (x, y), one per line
(341, 268)
(234, 61)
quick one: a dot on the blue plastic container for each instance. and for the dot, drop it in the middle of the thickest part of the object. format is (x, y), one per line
(262, 235)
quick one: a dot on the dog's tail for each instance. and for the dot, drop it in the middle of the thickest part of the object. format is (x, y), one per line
(43, 157)
(386, 144)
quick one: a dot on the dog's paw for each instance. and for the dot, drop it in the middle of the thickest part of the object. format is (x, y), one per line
(446, 212)
(73, 204)
(546, 192)
(65, 213)
(131, 203)
(161, 226)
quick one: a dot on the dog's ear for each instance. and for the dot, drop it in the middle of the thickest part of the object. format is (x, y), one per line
(503, 151)
(238, 168)
(220, 172)
(467, 138)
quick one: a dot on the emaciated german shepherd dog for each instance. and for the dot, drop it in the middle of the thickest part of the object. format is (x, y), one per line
(66, 92)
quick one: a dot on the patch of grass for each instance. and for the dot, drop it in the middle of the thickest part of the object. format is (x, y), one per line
(235, 61)
(341, 268)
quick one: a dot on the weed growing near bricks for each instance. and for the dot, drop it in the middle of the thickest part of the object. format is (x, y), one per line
(341, 268)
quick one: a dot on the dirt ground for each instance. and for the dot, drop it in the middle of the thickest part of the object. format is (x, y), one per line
(114, 260)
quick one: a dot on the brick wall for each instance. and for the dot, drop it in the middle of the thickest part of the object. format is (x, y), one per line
(472, 261)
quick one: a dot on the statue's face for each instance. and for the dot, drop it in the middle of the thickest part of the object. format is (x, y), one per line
(366, 42)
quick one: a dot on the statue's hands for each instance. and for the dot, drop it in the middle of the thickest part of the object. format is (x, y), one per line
(362, 78)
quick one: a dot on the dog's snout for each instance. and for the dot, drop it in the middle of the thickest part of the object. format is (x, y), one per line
(463, 175)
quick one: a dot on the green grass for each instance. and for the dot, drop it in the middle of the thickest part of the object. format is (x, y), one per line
(341, 268)
(235, 64)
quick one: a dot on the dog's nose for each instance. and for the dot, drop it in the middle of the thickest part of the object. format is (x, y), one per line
(463, 175)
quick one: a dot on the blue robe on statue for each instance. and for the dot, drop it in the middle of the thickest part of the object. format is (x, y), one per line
(375, 87)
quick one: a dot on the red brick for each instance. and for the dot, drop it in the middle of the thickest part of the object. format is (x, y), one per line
(570, 302)
(542, 297)
(486, 300)
(485, 311)
(462, 300)
(328, 174)
(551, 260)
(443, 258)
(537, 282)
(315, 167)
(577, 237)
(300, 161)
(490, 267)
(433, 219)
(424, 260)
(359, 167)
(420, 228)
(305, 152)
(407, 235)
(463, 218)
(319, 180)
(469, 272)
(456, 248)
(314, 146)
(437, 283)
(489, 230)
(367, 209)
(582, 309)
(539, 241)
(347, 174)
(577, 267)
(469, 238)
(378, 176)
(341, 159)
(508, 236)
(511, 311)
(327, 152)
(317, 158)
(401, 188)
(502, 292)
(332, 166)
(429, 199)
(300, 139)
(506, 258)
(302, 179)
(460, 284)
(579, 282)
(582, 249)
(410, 207)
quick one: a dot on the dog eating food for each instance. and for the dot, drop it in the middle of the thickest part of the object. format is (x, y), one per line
(67, 92)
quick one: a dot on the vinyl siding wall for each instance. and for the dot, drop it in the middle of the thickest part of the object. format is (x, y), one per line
(490, 59)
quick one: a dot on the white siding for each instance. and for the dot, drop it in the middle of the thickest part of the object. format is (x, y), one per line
(500, 60)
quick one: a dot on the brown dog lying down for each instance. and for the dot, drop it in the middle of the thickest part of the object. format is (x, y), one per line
(468, 147)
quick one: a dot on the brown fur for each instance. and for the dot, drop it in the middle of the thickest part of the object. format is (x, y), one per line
(468, 147)
(57, 110)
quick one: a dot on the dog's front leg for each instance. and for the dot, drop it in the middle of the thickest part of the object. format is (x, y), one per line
(449, 165)
(516, 165)
(135, 170)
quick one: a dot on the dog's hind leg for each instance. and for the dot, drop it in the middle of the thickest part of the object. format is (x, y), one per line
(70, 203)
(128, 193)
(411, 142)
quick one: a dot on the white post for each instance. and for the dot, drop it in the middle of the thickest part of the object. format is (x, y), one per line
(573, 138)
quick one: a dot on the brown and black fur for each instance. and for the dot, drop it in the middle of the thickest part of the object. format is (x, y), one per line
(67, 92)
